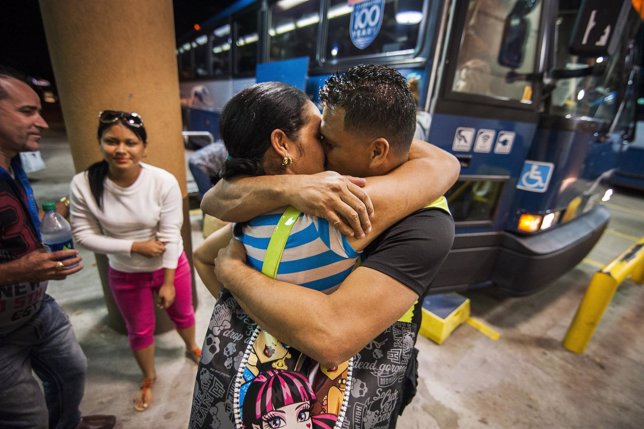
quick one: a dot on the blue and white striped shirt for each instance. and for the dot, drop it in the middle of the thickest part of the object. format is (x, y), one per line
(316, 255)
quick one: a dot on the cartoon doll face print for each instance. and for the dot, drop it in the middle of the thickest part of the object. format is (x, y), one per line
(297, 415)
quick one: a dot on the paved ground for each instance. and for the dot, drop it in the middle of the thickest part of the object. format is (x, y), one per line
(526, 379)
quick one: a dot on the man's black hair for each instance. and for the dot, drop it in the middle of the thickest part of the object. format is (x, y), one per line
(377, 102)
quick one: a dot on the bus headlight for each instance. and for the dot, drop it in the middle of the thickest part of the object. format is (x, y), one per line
(529, 222)
(549, 220)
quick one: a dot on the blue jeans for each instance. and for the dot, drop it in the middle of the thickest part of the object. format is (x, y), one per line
(47, 345)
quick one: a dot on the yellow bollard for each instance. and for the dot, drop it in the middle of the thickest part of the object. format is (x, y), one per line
(591, 309)
(638, 274)
(600, 293)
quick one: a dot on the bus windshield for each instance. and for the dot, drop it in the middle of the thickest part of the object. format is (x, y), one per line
(595, 96)
(477, 69)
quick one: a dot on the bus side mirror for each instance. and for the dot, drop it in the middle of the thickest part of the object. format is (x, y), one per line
(515, 32)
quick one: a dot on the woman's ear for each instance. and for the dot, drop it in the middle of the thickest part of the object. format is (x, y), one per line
(280, 142)
(379, 151)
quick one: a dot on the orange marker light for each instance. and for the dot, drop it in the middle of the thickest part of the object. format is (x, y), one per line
(197, 27)
(529, 222)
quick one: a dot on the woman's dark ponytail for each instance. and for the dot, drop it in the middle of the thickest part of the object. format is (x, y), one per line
(96, 174)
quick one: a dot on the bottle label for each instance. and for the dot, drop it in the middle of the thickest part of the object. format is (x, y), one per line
(63, 245)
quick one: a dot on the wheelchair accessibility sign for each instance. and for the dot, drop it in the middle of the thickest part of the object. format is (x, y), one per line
(535, 176)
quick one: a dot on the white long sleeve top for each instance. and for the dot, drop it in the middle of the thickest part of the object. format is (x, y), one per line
(149, 208)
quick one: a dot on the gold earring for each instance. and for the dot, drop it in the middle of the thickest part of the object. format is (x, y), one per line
(286, 161)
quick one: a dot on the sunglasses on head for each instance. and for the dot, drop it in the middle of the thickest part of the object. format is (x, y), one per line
(110, 116)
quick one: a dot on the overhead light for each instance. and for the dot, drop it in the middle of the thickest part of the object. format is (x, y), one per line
(246, 40)
(287, 4)
(222, 31)
(202, 40)
(221, 48)
(409, 18)
(339, 10)
(285, 28)
(308, 20)
(409, 12)
(186, 47)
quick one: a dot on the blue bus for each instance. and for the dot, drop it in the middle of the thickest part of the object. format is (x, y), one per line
(532, 96)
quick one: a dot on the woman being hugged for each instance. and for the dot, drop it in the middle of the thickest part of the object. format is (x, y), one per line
(132, 212)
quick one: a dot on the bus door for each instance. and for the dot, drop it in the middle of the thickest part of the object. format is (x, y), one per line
(587, 112)
(489, 124)
(585, 117)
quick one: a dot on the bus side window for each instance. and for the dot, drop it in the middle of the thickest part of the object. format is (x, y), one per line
(221, 41)
(473, 200)
(246, 44)
(393, 37)
(293, 31)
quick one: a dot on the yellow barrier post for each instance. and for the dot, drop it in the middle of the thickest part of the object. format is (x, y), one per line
(600, 293)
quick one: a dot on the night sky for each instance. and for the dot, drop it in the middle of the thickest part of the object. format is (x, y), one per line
(22, 37)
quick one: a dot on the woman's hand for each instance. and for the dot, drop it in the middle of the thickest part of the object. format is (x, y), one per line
(149, 249)
(167, 293)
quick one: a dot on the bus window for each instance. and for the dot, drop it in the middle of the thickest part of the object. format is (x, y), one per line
(477, 69)
(185, 62)
(293, 30)
(201, 56)
(221, 51)
(393, 37)
(246, 44)
(473, 200)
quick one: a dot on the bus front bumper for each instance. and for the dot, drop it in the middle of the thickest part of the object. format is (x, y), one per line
(527, 264)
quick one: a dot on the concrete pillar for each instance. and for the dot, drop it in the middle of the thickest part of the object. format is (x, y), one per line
(119, 55)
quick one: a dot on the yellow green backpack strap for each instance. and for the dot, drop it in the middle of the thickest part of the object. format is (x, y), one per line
(277, 243)
(439, 203)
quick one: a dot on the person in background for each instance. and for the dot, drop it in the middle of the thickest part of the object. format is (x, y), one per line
(206, 164)
(423, 118)
(132, 212)
(35, 333)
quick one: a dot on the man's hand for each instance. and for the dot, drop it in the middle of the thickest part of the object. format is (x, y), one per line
(167, 293)
(336, 198)
(149, 249)
(228, 258)
(339, 199)
(41, 265)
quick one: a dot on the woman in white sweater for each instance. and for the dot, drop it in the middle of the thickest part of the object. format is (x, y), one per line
(132, 212)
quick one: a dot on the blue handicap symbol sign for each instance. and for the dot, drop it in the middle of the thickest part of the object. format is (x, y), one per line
(366, 20)
(535, 176)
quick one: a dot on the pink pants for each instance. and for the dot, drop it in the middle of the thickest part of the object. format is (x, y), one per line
(133, 293)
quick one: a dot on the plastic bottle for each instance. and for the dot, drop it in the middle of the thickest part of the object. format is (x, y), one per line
(55, 230)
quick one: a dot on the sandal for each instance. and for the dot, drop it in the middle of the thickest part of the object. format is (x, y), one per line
(194, 355)
(141, 404)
